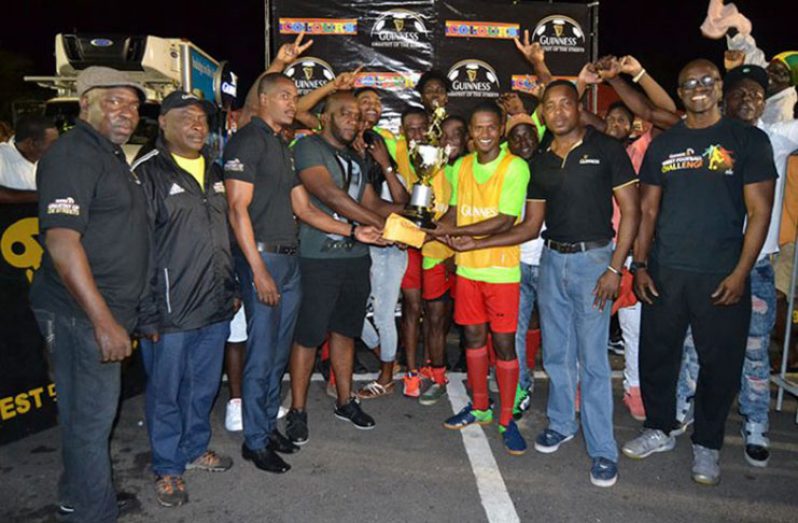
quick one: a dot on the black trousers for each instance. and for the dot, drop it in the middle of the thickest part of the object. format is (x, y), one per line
(720, 335)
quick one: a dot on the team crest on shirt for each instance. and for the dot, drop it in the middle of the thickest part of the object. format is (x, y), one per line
(234, 165)
(718, 158)
(218, 187)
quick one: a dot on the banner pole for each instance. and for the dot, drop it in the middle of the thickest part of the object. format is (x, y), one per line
(268, 34)
(594, 36)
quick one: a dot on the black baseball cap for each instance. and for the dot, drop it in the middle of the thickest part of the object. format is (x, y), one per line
(178, 99)
(752, 72)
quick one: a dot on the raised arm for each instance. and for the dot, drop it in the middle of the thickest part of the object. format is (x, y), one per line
(656, 94)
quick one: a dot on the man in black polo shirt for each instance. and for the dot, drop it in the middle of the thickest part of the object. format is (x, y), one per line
(259, 176)
(574, 183)
(703, 182)
(93, 217)
(335, 267)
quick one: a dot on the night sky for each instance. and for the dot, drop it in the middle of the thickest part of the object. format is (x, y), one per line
(662, 34)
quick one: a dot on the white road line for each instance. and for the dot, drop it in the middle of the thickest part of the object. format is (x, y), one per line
(499, 508)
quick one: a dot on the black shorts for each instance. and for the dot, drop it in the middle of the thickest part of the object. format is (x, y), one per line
(334, 297)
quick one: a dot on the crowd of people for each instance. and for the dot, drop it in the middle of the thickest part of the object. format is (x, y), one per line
(276, 249)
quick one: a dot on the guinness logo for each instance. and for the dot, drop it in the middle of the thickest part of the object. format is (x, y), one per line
(473, 79)
(560, 34)
(309, 73)
(400, 29)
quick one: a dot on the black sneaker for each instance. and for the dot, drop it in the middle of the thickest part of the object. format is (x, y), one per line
(279, 443)
(126, 502)
(296, 426)
(352, 413)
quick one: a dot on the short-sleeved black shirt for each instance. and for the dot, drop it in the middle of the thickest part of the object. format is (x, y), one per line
(85, 184)
(702, 173)
(255, 154)
(578, 189)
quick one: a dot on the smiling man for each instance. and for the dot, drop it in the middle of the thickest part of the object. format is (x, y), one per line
(706, 196)
(93, 217)
(186, 317)
(488, 188)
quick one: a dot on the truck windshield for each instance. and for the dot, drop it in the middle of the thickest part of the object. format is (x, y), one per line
(65, 112)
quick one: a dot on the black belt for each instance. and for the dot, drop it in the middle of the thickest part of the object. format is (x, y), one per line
(276, 248)
(571, 248)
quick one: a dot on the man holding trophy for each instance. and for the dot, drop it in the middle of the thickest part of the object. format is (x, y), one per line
(488, 188)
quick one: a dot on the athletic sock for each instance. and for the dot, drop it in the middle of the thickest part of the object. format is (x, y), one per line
(439, 375)
(532, 347)
(507, 377)
(477, 360)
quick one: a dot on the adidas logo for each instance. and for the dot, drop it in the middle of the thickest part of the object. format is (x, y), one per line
(175, 189)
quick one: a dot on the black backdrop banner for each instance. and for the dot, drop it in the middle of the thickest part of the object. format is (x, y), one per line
(27, 395)
(470, 41)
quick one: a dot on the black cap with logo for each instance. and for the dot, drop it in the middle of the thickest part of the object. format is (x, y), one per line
(178, 99)
(752, 72)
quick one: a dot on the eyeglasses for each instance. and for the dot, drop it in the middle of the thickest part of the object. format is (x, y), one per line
(706, 81)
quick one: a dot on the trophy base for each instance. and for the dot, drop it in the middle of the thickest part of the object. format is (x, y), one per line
(419, 216)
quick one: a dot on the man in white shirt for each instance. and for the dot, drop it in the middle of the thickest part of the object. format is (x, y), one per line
(18, 157)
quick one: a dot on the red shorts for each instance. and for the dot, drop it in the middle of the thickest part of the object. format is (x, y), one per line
(437, 281)
(477, 302)
(412, 278)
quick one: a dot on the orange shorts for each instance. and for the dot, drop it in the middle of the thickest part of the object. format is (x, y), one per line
(412, 278)
(437, 281)
(477, 302)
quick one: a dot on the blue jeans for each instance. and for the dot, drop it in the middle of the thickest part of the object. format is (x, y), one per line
(573, 329)
(754, 397)
(270, 332)
(388, 266)
(184, 370)
(88, 397)
(526, 305)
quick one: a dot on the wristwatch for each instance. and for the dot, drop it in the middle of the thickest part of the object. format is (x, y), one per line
(637, 265)
(352, 231)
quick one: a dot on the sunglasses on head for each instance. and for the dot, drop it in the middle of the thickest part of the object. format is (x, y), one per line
(706, 81)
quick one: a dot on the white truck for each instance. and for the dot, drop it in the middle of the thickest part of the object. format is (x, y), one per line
(161, 65)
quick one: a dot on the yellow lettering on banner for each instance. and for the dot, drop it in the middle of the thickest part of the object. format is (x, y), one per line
(7, 408)
(37, 396)
(24, 402)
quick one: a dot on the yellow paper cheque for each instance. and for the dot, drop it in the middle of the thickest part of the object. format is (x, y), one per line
(402, 230)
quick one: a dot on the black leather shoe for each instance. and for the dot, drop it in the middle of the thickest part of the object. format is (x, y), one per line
(265, 459)
(279, 443)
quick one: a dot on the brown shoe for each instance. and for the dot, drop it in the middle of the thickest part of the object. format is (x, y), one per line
(374, 390)
(211, 461)
(170, 491)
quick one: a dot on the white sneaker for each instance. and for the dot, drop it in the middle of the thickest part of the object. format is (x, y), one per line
(232, 417)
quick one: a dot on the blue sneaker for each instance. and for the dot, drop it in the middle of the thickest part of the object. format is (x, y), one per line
(513, 440)
(603, 473)
(468, 416)
(549, 441)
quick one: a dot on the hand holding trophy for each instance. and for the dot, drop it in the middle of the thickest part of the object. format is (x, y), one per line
(429, 159)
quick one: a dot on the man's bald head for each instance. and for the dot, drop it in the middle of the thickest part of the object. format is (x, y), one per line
(698, 63)
(270, 81)
(335, 100)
